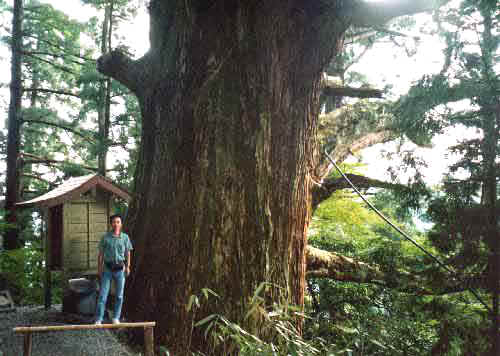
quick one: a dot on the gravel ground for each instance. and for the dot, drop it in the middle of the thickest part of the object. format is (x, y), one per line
(103, 342)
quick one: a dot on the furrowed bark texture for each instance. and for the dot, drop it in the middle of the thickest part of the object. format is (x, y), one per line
(229, 102)
(229, 94)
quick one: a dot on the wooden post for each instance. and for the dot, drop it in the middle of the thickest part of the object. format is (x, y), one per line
(149, 341)
(46, 246)
(48, 288)
(27, 344)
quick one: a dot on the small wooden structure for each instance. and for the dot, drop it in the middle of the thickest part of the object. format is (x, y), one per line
(77, 216)
(29, 330)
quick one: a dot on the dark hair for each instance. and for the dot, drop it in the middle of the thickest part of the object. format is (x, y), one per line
(112, 217)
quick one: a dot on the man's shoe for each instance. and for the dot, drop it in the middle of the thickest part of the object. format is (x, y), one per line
(116, 321)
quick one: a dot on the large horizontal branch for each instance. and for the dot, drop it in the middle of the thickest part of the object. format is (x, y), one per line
(367, 14)
(324, 264)
(333, 86)
(119, 66)
(342, 151)
(331, 185)
(358, 36)
(353, 92)
(340, 268)
(350, 129)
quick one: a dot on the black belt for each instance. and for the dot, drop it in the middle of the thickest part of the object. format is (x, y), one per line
(114, 266)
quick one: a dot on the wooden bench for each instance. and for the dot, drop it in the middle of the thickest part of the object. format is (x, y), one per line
(28, 332)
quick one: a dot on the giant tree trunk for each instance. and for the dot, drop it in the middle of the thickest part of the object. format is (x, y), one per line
(229, 107)
(229, 94)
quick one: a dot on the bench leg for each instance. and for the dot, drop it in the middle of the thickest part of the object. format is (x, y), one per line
(27, 344)
(149, 342)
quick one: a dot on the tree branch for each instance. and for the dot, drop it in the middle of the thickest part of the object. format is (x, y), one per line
(33, 176)
(340, 268)
(62, 48)
(331, 185)
(53, 162)
(333, 86)
(50, 162)
(366, 14)
(61, 126)
(341, 151)
(63, 68)
(324, 264)
(353, 92)
(61, 92)
(119, 66)
(53, 55)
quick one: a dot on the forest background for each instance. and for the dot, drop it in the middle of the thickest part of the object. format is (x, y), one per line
(76, 121)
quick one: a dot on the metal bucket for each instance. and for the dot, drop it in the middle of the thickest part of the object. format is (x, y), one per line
(81, 297)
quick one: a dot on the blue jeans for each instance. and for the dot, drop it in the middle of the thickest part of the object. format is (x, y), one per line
(107, 276)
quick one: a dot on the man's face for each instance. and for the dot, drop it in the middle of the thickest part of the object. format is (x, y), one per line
(116, 223)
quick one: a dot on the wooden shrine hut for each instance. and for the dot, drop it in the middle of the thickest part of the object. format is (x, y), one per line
(76, 215)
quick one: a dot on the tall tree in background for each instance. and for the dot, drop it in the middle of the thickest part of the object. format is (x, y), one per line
(466, 217)
(104, 110)
(112, 13)
(53, 63)
(229, 95)
(11, 240)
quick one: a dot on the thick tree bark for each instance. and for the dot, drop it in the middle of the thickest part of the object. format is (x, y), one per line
(11, 240)
(227, 145)
(229, 94)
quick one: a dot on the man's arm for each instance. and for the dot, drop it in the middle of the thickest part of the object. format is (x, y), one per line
(129, 261)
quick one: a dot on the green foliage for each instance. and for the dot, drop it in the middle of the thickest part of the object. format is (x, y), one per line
(277, 329)
(370, 319)
(463, 232)
(22, 270)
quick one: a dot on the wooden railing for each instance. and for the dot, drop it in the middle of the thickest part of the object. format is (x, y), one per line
(28, 332)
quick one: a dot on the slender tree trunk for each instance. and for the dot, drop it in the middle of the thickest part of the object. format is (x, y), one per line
(104, 110)
(27, 170)
(491, 127)
(490, 153)
(13, 138)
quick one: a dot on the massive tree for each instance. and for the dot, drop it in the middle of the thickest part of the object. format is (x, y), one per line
(229, 94)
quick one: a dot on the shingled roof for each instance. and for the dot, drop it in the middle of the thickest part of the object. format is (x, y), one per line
(73, 188)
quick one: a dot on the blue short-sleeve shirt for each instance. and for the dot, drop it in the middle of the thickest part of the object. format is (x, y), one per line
(114, 249)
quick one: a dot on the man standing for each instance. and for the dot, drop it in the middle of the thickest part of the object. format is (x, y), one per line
(113, 263)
